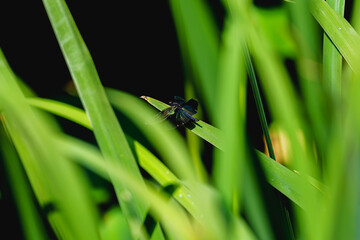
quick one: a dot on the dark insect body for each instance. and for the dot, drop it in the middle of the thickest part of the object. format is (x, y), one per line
(182, 112)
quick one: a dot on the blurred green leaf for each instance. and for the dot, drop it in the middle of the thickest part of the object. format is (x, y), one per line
(229, 163)
(275, 22)
(55, 181)
(355, 17)
(114, 226)
(61, 109)
(195, 143)
(32, 225)
(198, 39)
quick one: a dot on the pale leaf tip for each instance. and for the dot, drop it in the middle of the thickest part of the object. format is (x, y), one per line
(145, 98)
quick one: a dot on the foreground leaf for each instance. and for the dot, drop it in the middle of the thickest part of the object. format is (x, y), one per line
(55, 181)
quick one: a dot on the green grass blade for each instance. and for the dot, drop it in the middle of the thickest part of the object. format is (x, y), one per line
(202, 129)
(165, 177)
(194, 142)
(287, 182)
(228, 170)
(258, 102)
(265, 130)
(107, 130)
(332, 69)
(198, 39)
(340, 32)
(61, 109)
(332, 59)
(345, 187)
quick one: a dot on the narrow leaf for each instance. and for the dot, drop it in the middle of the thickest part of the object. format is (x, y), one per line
(202, 129)
(107, 129)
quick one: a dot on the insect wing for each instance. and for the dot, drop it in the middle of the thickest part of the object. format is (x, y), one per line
(168, 111)
(191, 106)
(183, 117)
(189, 110)
(161, 116)
(192, 103)
(179, 100)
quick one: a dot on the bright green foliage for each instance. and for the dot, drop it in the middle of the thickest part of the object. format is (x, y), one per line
(317, 122)
(57, 184)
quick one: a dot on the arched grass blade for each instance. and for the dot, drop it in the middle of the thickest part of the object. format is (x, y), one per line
(149, 162)
(61, 109)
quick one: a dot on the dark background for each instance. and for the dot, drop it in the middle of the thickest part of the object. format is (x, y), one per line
(133, 44)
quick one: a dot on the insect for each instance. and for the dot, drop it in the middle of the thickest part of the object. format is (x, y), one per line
(181, 112)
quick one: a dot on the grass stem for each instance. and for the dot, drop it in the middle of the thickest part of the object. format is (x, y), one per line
(260, 108)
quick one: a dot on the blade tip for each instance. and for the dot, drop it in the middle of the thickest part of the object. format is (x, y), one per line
(145, 98)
